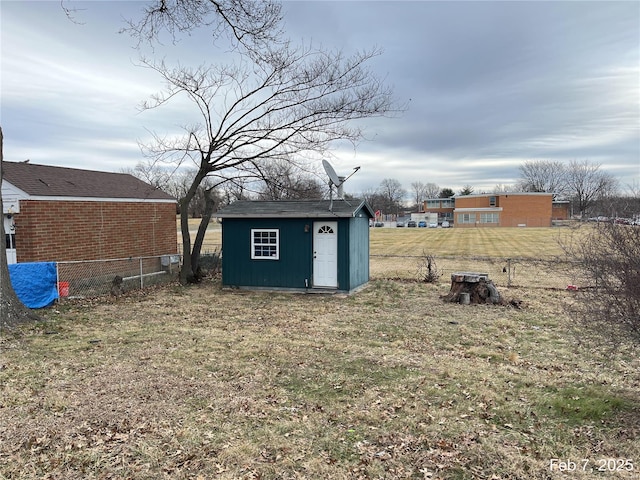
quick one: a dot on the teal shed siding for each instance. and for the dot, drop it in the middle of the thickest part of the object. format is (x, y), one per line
(291, 269)
(358, 252)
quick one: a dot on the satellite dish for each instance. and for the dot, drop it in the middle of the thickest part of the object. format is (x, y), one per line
(335, 180)
(333, 176)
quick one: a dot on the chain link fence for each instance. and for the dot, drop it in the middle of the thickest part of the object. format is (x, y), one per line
(93, 278)
(82, 279)
(506, 272)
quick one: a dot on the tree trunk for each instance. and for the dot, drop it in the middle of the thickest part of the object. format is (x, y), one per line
(188, 272)
(202, 230)
(12, 311)
(472, 288)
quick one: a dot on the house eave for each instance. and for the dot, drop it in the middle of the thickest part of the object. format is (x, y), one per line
(98, 199)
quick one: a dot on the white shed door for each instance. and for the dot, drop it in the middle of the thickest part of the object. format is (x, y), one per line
(325, 254)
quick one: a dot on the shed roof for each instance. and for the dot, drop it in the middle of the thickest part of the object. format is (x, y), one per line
(296, 209)
(48, 181)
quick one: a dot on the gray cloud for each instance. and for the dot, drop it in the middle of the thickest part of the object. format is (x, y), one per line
(491, 84)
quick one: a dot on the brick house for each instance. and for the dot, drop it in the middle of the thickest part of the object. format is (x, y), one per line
(512, 209)
(61, 214)
(518, 209)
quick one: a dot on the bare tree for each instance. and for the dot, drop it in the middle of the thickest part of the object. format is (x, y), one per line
(12, 311)
(252, 25)
(423, 191)
(373, 197)
(418, 190)
(431, 190)
(608, 261)
(151, 173)
(297, 100)
(505, 188)
(392, 194)
(284, 180)
(543, 176)
(587, 183)
(235, 189)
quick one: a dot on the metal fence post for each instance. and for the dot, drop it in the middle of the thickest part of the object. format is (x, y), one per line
(58, 280)
(141, 276)
(508, 272)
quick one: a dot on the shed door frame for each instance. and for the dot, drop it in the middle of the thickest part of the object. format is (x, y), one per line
(325, 254)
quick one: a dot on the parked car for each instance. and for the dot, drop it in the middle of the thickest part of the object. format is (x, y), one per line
(378, 224)
(433, 225)
(422, 224)
(445, 224)
(399, 224)
(411, 223)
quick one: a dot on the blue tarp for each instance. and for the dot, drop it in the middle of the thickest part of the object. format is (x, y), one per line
(34, 283)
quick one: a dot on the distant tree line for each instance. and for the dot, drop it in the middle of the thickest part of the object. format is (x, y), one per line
(591, 190)
(275, 180)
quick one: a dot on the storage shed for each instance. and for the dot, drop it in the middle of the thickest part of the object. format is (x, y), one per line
(308, 245)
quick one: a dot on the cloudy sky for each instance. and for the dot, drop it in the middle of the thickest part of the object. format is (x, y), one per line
(489, 85)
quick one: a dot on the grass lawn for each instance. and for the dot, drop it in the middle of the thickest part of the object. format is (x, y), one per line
(537, 243)
(204, 383)
(489, 242)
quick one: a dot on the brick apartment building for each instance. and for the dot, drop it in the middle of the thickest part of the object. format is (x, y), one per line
(516, 209)
(58, 214)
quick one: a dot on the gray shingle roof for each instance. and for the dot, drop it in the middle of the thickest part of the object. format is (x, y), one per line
(48, 181)
(295, 209)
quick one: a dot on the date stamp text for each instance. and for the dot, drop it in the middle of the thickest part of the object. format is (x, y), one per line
(589, 465)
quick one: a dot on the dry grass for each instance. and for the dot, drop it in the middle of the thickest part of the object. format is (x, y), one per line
(389, 383)
(489, 242)
(486, 242)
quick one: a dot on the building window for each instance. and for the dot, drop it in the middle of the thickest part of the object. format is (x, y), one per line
(433, 203)
(447, 203)
(265, 244)
(489, 218)
(492, 201)
(466, 218)
(10, 241)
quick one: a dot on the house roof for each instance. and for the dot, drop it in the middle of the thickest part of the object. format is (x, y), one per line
(296, 209)
(502, 194)
(48, 181)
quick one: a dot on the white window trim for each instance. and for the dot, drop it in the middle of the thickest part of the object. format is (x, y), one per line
(253, 244)
(494, 218)
(471, 218)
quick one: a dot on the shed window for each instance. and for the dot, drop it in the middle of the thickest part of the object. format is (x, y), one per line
(325, 229)
(265, 244)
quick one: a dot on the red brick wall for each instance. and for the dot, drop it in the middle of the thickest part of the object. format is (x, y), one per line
(529, 210)
(79, 230)
(560, 211)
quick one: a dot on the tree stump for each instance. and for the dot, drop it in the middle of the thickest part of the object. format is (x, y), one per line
(472, 288)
